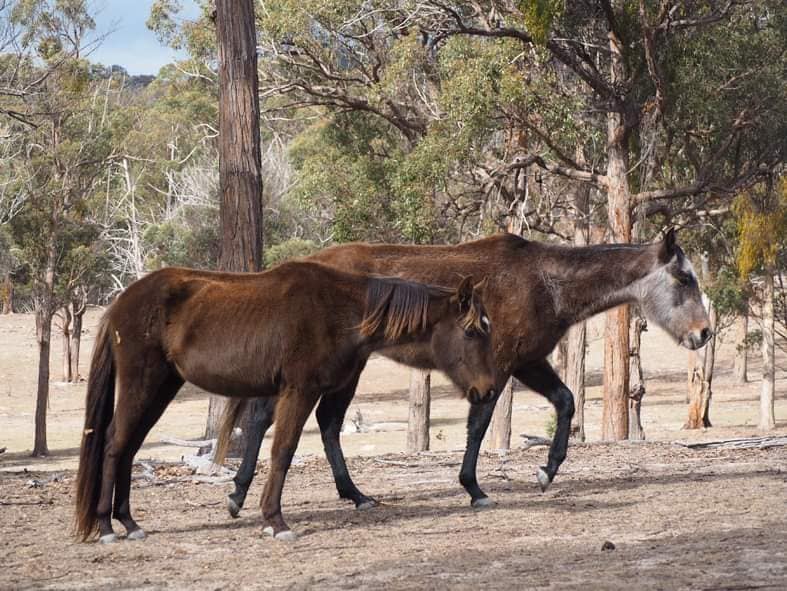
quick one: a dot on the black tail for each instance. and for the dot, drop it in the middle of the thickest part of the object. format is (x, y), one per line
(99, 408)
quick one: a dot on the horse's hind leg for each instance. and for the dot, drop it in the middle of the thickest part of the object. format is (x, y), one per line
(166, 391)
(330, 416)
(259, 421)
(292, 411)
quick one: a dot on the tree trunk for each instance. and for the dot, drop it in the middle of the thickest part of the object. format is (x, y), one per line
(500, 437)
(66, 336)
(616, 334)
(702, 362)
(78, 313)
(637, 386)
(44, 335)
(741, 369)
(44, 311)
(420, 401)
(575, 375)
(7, 291)
(615, 422)
(576, 339)
(767, 415)
(240, 168)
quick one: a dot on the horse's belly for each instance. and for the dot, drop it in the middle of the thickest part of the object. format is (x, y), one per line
(238, 382)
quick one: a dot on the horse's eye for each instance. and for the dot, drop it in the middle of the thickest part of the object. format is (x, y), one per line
(683, 278)
(471, 333)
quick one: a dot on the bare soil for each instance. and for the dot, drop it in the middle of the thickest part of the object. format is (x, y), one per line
(677, 518)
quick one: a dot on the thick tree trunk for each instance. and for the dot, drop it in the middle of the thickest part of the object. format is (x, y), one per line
(767, 415)
(701, 366)
(420, 402)
(240, 169)
(7, 291)
(741, 369)
(500, 437)
(616, 335)
(66, 336)
(637, 385)
(615, 422)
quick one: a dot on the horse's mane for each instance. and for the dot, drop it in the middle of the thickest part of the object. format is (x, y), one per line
(403, 306)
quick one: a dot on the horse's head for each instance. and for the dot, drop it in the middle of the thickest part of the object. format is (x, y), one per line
(670, 295)
(462, 345)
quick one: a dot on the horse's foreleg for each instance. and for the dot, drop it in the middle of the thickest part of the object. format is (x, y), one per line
(330, 416)
(292, 410)
(260, 420)
(540, 377)
(478, 419)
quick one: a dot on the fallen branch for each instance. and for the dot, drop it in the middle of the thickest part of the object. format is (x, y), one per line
(533, 441)
(741, 443)
(188, 443)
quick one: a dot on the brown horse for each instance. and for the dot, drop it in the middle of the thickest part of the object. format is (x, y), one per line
(298, 332)
(534, 293)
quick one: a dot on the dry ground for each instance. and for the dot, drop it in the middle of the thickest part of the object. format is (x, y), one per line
(678, 518)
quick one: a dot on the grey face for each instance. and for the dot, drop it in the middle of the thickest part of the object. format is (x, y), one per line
(670, 296)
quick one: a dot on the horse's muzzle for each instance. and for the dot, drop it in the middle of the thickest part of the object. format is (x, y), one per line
(475, 397)
(696, 339)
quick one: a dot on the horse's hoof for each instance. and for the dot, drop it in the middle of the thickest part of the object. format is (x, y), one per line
(233, 507)
(543, 479)
(286, 536)
(482, 503)
(137, 534)
(366, 505)
(267, 531)
(108, 539)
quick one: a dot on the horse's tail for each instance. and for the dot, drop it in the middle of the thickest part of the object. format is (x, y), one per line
(232, 411)
(99, 408)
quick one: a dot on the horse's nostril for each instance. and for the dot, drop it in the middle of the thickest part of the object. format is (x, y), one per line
(705, 334)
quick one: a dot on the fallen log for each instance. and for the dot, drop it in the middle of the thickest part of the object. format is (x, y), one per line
(739, 443)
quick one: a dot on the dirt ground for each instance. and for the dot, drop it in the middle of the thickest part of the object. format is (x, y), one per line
(678, 518)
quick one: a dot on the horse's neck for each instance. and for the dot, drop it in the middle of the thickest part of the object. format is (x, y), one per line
(585, 281)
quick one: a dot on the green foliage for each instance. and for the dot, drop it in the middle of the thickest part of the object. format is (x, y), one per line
(539, 15)
(191, 240)
(340, 170)
(290, 249)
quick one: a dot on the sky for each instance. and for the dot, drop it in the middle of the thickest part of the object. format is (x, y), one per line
(130, 43)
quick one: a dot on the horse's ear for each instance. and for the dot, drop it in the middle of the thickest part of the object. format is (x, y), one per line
(669, 246)
(464, 294)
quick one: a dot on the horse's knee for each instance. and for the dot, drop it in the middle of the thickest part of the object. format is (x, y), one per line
(564, 404)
